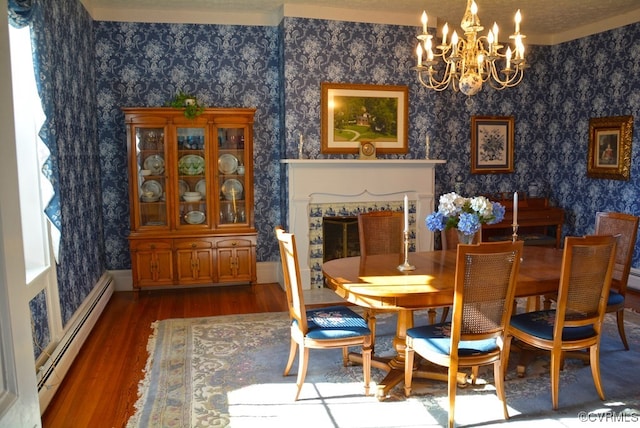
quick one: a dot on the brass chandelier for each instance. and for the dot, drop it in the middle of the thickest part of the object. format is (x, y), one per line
(470, 61)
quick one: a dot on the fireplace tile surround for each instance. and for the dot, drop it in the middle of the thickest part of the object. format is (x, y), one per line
(343, 187)
(317, 212)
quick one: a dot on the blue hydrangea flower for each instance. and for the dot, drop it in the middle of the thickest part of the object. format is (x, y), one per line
(465, 214)
(468, 223)
(436, 221)
(498, 213)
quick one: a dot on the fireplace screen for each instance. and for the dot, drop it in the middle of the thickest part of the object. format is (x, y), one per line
(340, 238)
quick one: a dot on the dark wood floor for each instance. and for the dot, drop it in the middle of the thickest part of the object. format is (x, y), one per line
(102, 386)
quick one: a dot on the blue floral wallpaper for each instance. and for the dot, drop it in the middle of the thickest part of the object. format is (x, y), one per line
(225, 66)
(95, 68)
(64, 31)
(567, 84)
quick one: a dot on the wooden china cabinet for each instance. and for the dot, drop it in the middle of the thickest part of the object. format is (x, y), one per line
(191, 196)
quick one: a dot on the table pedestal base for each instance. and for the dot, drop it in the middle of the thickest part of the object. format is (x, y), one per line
(395, 372)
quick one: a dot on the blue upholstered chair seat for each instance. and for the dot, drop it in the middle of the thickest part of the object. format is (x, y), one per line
(615, 298)
(436, 338)
(540, 324)
(335, 322)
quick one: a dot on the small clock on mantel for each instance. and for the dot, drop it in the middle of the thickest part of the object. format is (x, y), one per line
(367, 150)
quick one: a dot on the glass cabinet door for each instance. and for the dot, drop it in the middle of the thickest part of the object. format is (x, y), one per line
(231, 176)
(192, 189)
(150, 173)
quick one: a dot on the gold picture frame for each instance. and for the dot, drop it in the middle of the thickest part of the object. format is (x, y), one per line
(354, 112)
(492, 140)
(610, 147)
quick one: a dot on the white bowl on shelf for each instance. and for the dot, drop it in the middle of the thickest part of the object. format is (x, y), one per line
(191, 196)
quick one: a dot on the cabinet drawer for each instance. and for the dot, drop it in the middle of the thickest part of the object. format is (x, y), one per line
(192, 244)
(164, 244)
(234, 243)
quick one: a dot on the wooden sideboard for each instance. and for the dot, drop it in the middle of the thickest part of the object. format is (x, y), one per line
(538, 222)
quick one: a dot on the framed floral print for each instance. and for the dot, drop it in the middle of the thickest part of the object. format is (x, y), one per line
(492, 140)
(355, 112)
(610, 147)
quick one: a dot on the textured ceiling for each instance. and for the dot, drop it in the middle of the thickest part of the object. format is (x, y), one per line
(544, 21)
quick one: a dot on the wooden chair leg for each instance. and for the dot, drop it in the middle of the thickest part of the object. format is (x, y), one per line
(452, 386)
(499, 380)
(432, 316)
(594, 353)
(445, 314)
(292, 356)
(370, 318)
(474, 374)
(366, 367)
(623, 336)
(556, 362)
(408, 370)
(302, 369)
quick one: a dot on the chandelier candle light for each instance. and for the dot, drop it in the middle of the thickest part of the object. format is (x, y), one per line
(406, 265)
(468, 63)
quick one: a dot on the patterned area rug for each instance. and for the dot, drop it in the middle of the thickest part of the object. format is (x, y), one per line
(227, 371)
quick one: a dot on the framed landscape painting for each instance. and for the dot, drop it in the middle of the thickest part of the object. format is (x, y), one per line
(354, 112)
(492, 140)
(610, 147)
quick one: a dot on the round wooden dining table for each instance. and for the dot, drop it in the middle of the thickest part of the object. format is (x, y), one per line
(376, 282)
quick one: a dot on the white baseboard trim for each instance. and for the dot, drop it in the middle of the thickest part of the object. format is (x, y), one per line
(53, 371)
(634, 279)
(266, 272)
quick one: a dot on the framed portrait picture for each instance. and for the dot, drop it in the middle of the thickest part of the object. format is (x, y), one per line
(492, 144)
(610, 147)
(354, 112)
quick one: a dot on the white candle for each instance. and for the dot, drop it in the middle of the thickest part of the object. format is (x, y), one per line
(406, 213)
(424, 22)
(515, 208)
(427, 148)
(518, 18)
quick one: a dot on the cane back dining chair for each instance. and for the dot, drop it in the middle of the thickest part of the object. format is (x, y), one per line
(625, 227)
(576, 321)
(379, 232)
(449, 240)
(324, 328)
(482, 305)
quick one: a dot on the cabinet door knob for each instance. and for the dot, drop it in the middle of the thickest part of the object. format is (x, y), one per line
(234, 243)
(193, 245)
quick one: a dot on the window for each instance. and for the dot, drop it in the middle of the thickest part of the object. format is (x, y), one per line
(35, 189)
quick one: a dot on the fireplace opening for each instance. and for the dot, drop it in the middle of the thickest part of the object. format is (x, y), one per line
(340, 237)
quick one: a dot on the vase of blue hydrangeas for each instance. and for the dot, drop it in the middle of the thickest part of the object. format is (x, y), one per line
(466, 215)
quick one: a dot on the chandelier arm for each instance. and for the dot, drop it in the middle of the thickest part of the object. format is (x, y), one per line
(514, 80)
(432, 84)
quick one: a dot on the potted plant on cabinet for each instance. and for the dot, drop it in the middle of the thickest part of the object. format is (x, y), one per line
(190, 104)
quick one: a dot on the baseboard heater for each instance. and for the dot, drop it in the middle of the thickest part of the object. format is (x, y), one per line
(51, 373)
(634, 279)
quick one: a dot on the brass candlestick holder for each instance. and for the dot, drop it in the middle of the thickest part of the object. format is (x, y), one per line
(514, 237)
(406, 266)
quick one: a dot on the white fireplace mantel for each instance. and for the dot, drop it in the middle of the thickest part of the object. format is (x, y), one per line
(313, 181)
